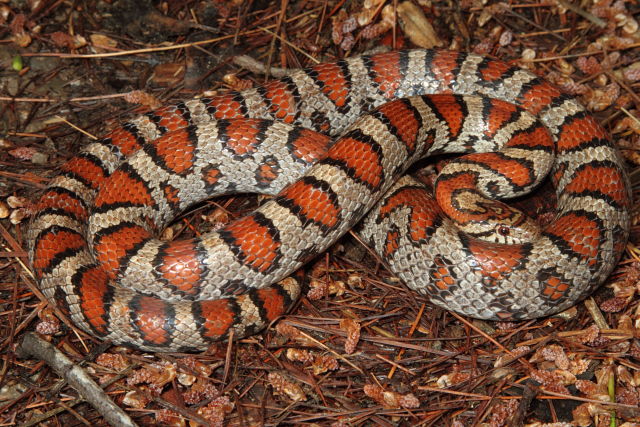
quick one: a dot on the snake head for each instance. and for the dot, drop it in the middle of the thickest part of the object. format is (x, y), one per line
(515, 234)
(507, 225)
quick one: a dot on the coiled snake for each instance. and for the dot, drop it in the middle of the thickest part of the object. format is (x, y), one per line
(381, 113)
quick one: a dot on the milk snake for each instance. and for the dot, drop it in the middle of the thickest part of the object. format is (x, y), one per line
(381, 114)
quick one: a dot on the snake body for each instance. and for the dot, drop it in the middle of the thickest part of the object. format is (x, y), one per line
(331, 143)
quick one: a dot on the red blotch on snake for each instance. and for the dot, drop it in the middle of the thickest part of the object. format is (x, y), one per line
(258, 247)
(180, 266)
(313, 203)
(114, 246)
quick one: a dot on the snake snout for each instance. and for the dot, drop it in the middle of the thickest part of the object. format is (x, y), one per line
(524, 231)
(506, 225)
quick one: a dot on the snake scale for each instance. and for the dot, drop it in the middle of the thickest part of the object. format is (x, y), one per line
(331, 144)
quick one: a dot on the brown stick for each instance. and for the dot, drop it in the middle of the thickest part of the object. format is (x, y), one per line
(34, 346)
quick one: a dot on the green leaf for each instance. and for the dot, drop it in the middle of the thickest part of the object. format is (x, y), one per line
(16, 63)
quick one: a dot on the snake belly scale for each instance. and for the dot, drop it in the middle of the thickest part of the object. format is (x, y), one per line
(331, 143)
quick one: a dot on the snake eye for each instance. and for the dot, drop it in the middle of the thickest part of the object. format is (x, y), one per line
(503, 230)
